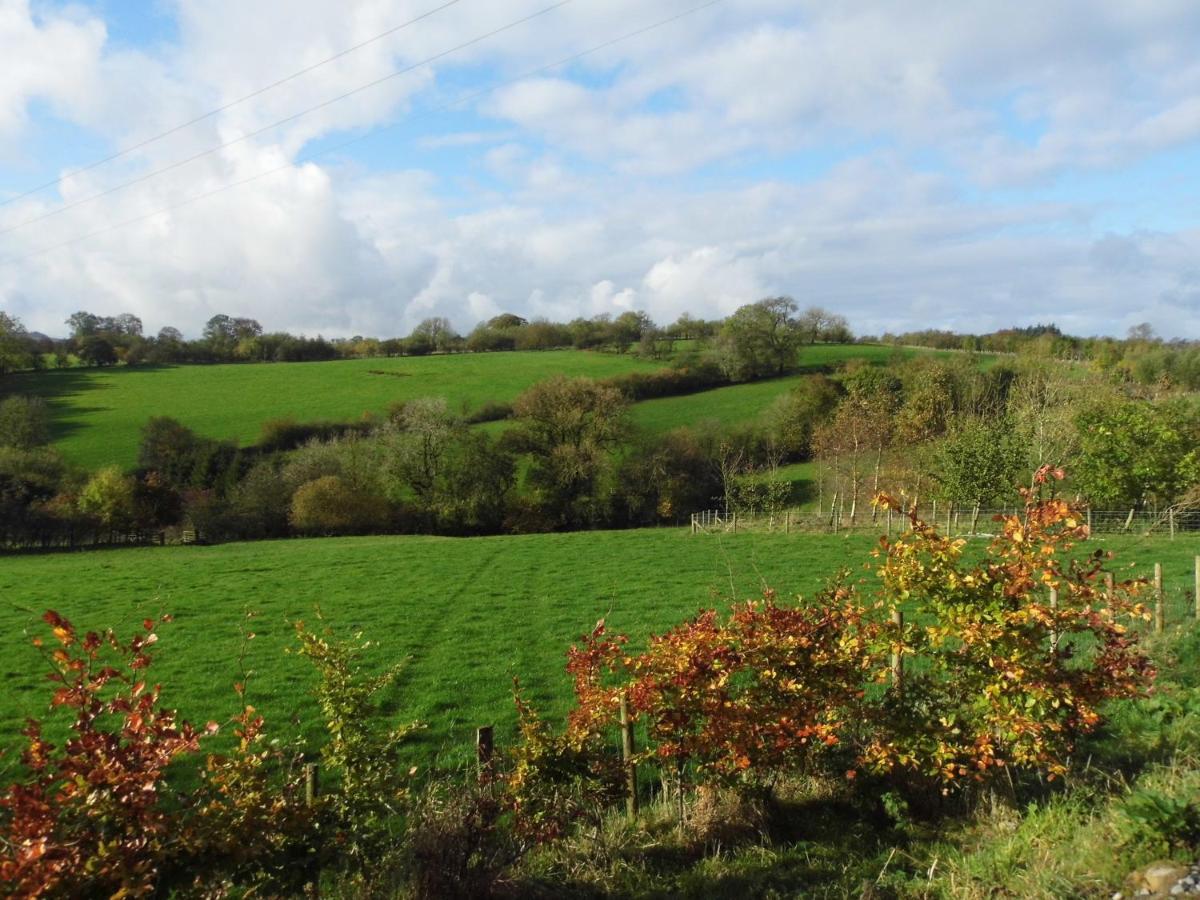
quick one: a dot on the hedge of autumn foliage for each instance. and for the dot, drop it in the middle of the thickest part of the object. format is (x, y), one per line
(997, 679)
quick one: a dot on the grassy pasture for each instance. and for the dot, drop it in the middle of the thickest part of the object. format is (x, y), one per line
(471, 613)
(98, 414)
(742, 403)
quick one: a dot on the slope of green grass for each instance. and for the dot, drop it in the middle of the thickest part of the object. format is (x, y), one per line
(742, 403)
(98, 413)
(471, 613)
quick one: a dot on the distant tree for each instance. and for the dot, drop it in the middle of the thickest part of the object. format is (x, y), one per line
(329, 506)
(169, 448)
(760, 339)
(436, 333)
(570, 426)
(156, 503)
(16, 351)
(127, 324)
(1135, 454)
(664, 479)
(506, 320)
(424, 430)
(627, 329)
(812, 322)
(541, 334)
(1143, 332)
(486, 338)
(793, 418)
(223, 333)
(474, 485)
(83, 324)
(981, 461)
(24, 422)
(258, 506)
(108, 497)
(170, 335)
(29, 480)
(930, 401)
(97, 351)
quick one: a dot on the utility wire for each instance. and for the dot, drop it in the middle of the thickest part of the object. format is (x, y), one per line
(292, 118)
(232, 103)
(466, 98)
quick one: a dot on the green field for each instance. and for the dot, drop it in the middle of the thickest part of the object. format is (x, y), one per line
(471, 613)
(98, 414)
(742, 403)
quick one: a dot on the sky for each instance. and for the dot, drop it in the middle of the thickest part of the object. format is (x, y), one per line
(923, 164)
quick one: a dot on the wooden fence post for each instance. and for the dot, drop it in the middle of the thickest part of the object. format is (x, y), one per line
(1160, 617)
(312, 783)
(1054, 635)
(1171, 519)
(889, 521)
(897, 652)
(1108, 584)
(787, 522)
(1196, 586)
(485, 750)
(1089, 519)
(933, 518)
(627, 748)
(312, 789)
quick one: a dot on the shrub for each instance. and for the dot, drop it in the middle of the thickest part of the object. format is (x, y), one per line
(90, 816)
(1007, 680)
(768, 689)
(329, 505)
(360, 759)
(24, 422)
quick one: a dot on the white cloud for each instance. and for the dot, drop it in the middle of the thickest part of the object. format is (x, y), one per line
(52, 58)
(591, 201)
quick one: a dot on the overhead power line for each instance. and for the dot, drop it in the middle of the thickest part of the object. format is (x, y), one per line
(154, 173)
(466, 98)
(230, 105)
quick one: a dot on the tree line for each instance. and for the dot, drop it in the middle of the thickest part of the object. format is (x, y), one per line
(1141, 358)
(96, 340)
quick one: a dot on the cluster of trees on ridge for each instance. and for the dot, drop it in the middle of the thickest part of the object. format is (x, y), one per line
(1142, 358)
(925, 427)
(110, 340)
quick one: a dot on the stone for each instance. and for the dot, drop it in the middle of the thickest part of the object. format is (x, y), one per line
(1159, 877)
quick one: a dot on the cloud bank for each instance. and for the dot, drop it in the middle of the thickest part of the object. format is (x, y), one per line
(966, 166)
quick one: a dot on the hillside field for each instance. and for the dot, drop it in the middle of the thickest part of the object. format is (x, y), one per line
(98, 414)
(471, 613)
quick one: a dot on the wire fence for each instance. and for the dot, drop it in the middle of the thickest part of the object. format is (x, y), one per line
(951, 519)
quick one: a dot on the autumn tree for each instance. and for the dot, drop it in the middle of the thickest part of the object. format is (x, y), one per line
(108, 497)
(330, 505)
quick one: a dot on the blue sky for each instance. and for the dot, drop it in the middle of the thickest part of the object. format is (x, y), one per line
(907, 164)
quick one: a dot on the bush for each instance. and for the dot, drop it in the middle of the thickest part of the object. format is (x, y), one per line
(278, 435)
(24, 422)
(1007, 680)
(90, 817)
(329, 505)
